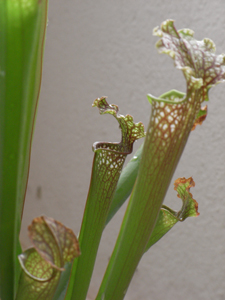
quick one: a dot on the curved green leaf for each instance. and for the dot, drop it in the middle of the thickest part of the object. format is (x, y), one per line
(108, 162)
(168, 218)
(54, 246)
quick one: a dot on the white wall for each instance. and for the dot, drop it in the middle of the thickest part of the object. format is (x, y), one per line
(97, 48)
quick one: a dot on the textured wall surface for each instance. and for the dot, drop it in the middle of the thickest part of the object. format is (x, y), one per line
(97, 48)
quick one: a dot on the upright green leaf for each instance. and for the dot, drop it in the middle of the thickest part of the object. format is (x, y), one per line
(22, 36)
(171, 121)
(54, 245)
(108, 162)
